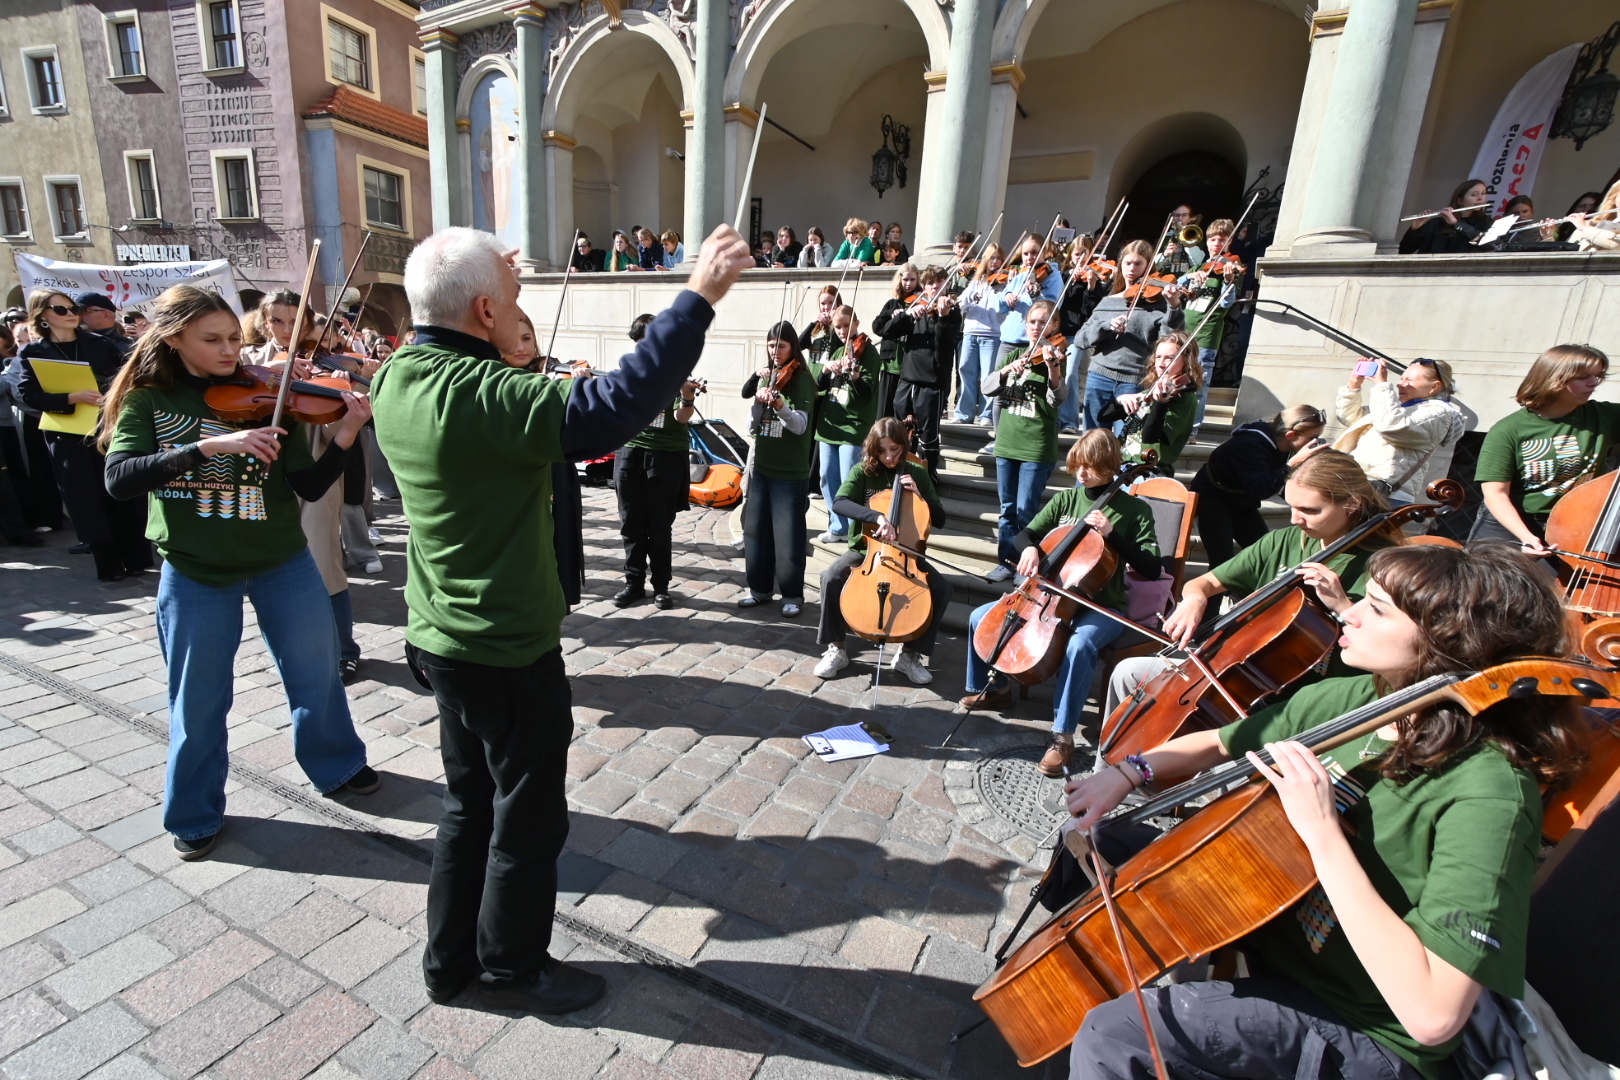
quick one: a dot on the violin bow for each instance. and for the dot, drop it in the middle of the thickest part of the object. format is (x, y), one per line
(1068, 279)
(748, 177)
(297, 332)
(320, 342)
(557, 322)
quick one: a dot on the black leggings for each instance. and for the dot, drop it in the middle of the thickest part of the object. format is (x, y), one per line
(1220, 523)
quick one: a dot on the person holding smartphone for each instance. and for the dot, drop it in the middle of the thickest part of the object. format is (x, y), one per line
(1406, 432)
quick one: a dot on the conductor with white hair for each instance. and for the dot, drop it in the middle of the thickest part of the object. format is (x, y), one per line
(471, 442)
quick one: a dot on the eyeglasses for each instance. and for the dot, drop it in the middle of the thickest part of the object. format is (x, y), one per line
(63, 311)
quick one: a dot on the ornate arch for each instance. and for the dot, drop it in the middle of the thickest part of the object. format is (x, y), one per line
(591, 45)
(769, 25)
(485, 65)
(1013, 27)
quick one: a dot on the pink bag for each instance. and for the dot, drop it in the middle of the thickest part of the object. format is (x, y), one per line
(1148, 603)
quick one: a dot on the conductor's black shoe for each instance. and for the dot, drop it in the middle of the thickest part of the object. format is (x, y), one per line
(630, 594)
(557, 988)
(663, 601)
(79, 549)
(363, 782)
(194, 849)
(349, 670)
(445, 994)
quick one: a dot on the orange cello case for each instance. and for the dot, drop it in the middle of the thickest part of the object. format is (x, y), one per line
(721, 489)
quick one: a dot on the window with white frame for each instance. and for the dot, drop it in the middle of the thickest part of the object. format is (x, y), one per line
(13, 208)
(385, 197)
(124, 45)
(67, 207)
(350, 54)
(44, 79)
(235, 195)
(5, 110)
(419, 72)
(223, 39)
(144, 204)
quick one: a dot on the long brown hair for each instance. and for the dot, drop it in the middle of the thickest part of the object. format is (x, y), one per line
(887, 427)
(1135, 247)
(1444, 590)
(1554, 368)
(154, 361)
(1189, 361)
(1341, 478)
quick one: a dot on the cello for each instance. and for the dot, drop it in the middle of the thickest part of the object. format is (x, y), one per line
(1225, 871)
(1265, 643)
(1024, 635)
(1585, 527)
(887, 597)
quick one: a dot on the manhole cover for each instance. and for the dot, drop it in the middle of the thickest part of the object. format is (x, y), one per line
(1014, 791)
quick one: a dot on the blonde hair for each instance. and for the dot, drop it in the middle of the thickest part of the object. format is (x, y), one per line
(982, 270)
(899, 273)
(1551, 371)
(1194, 369)
(1338, 476)
(1611, 198)
(858, 225)
(1135, 247)
(1096, 450)
(155, 362)
(670, 237)
(1221, 227)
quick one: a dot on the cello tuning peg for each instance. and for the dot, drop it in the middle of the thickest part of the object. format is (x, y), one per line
(1524, 688)
(1589, 687)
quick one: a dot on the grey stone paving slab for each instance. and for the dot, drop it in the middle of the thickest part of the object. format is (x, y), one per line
(41, 911)
(102, 974)
(109, 921)
(135, 829)
(25, 1017)
(533, 1049)
(385, 1052)
(355, 954)
(74, 1049)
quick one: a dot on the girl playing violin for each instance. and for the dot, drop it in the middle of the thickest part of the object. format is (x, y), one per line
(779, 486)
(848, 386)
(1086, 288)
(1212, 289)
(927, 331)
(1126, 524)
(224, 513)
(885, 454)
(1033, 279)
(905, 290)
(817, 341)
(1423, 836)
(981, 308)
(1535, 456)
(1166, 403)
(1030, 386)
(1121, 329)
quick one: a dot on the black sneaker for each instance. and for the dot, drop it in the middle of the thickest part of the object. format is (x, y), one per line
(79, 549)
(194, 849)
(363, 782)
(630, 594)
(663, 601)
(558, 988)
(349, 670)
(446, 995)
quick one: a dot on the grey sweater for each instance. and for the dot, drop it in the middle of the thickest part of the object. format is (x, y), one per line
(1123, 357)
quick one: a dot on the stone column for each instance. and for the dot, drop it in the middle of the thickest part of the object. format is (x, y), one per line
(560, 167)
(530, 21)
(1005, 82)
(706, 149)
(958, 138)
(444, 141)
(1345, 178)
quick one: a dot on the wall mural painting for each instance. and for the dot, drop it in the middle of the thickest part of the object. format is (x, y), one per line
(494, 134)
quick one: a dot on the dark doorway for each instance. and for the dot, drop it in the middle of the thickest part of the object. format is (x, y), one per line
(1207, 182)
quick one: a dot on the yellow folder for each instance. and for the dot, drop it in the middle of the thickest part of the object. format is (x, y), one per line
(67, 377)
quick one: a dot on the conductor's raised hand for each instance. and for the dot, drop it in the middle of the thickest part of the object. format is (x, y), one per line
(720, 263)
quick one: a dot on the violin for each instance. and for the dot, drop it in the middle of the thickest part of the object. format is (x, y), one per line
(887, 597)
(1265, 643)
(1024, 635)
(1226, 870)
(782, 377)
(1218, 265)
(250, 397)
(1149, 288)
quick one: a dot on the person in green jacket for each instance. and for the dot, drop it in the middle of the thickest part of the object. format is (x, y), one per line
(778, 480)
(848, 386)
(857, 249)
(1423, 836)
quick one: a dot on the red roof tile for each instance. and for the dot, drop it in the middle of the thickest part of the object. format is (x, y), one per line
(346, 103)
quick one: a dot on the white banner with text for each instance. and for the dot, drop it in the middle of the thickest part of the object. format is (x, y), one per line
(126, 286)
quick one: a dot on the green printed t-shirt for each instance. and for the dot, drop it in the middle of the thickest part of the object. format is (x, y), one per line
(1283, 549)
(859, 487)
(230, 518)
(471, 442)
(1130, 515)
(849, 407)
(778, 453)
(665, 432)
(1452, 852)
(1204, 320)
(1028, 427)
(1178, 427)
(1542, 459)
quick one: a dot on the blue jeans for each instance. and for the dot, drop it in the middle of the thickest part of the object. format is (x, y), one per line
(1100, 390)
(199, 628)
(837, 462)
(1069, 411)
(978, 359)
(1206, 359)
(1093, 632)
(343, 615)
(774, 536)
(1019, 486)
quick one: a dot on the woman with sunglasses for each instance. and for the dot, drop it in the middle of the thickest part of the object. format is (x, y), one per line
(1407, 433)
(115, 531)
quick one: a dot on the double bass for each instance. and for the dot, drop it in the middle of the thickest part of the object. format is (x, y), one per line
(1225, 871)
(1024, 635)
(887, 597)
(1585, 526)
(1265, 643)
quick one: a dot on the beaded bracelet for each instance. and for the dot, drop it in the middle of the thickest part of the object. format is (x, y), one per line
(1139, 763)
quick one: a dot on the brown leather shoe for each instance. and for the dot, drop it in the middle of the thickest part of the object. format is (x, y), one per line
(1056, 758)
(990, 698)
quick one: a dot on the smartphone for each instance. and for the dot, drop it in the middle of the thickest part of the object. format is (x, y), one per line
(819, 744)
(1366, 367)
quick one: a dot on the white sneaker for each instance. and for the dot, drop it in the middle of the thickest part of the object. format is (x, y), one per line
(983, 421)
(374, 566)
(988, 448)
(834, 660)
(910, 665)
(999, 574)
(374, 536)
(831, 538)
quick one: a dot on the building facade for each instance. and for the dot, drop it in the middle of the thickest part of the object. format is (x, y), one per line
(237, 129)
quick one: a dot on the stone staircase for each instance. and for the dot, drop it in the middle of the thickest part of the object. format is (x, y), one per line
(967, 481)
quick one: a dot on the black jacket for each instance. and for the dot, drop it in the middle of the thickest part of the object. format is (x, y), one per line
(1435, 237)
(927, 343)
(102, 355)
(1246, 469)
(595, 262)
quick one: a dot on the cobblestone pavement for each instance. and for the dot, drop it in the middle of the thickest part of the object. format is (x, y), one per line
(758, 912)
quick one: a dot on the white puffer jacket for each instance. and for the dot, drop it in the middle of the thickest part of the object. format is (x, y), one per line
(1387, 438)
